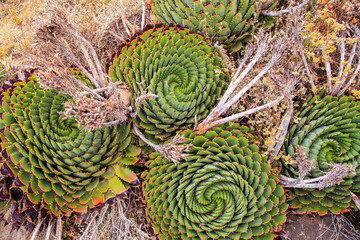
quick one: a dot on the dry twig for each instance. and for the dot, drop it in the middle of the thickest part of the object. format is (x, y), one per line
(304, 163)
(36, 231)
(140, 100)
(231, 97)
(295, 35)
(112, 223)
(356, 200)
(59, 228)
(48, 231)
(345, 82)
(341, 228)
(171, 151)
(333, 177)
(286, 83)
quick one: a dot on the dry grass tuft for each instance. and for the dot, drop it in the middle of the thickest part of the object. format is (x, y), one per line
(100, 21)
(112, 222)
(15, 29)
(341, 228)
(62, 40)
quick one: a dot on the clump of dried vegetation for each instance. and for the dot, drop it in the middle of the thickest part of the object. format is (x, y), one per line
(99, 21)
(62, 40)
(119, 221)
(341, 228)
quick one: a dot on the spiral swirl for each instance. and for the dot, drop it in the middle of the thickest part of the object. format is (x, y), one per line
(329, 130)
(223, 190)
(229, 22)
(56, 166)
(181, 68)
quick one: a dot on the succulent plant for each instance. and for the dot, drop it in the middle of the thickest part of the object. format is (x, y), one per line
(224, 189)
(230, 22)
(328, 129)
(184, 71)
(50, 166)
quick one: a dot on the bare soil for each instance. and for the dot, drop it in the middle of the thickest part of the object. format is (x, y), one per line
(307, 227)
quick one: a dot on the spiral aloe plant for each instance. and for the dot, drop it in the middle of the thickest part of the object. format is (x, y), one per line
(52, 167)
(224, 189)
(184, 71)
(229, 22)
(329, 132)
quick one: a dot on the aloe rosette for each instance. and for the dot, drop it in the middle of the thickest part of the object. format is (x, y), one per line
(231, 22)
(182, 68)
(329, 131)
(224, 189)
(51, 166)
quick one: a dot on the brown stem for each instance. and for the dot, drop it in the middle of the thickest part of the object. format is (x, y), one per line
(70, 54)
(351, 79)
(340, 76)
(282, 131)
(99, 90)
(246, 113)
(89, 90)
(111, 124)
(99, 71)
(328, 72)
(143, 19)
(355, 199)
(59, 228)
(89, 62)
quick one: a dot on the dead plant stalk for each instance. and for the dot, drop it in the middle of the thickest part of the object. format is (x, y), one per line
(287, 82)
(331, 178)
(229, 98)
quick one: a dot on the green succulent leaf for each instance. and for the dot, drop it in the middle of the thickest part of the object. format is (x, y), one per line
(215, 193)
(329, 131)
(58, 166)
(182, 68)
(225, 21)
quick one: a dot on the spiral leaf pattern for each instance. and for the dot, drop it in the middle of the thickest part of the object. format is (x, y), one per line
(229, 22)
(184, 71)
(56, 166)
(328, 128)
(223, 190)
